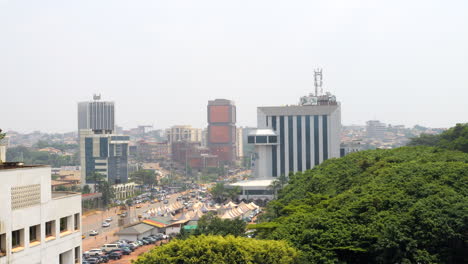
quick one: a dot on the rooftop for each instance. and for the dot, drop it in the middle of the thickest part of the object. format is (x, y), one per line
(58, 195)
(254, 183)
(17, 165)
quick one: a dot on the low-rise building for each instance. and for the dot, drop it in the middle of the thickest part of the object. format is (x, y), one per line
(36, 224)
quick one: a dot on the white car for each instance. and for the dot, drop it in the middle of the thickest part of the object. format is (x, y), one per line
(109, 219)
(94, 252)
(105, 224)
(93, 233)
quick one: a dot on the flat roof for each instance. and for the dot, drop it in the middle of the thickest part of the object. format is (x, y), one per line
(262, 132)
(57, 195)
(19, 165)
(254, 183)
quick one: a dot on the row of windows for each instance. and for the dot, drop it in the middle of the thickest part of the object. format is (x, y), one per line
(302, 134)
(18, 236)
(262, 139)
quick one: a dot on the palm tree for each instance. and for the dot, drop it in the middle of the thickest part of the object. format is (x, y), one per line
(275, 186)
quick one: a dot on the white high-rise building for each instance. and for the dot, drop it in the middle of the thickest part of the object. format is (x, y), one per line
(37, 226)
(96, 115)
(292, 138)
(305, 136)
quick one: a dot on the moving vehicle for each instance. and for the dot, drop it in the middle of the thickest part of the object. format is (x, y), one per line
(109, 219)
(105, 224)
(93, 233)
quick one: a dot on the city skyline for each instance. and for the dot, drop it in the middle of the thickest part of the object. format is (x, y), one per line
(161, 62)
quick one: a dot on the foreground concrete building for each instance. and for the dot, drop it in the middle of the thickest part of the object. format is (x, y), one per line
(37, 226)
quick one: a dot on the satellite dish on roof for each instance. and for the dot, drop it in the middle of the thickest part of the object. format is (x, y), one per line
(96, 97)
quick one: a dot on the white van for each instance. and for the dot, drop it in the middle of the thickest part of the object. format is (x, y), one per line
(109, 247)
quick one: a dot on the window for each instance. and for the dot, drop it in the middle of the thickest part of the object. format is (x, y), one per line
(17, 238)
(63, 224)
(34, 233)
(50, 229)
(77, 255)
(2, 245)
(77, 221)
(251, 139)
(272, 139)
(261, 139)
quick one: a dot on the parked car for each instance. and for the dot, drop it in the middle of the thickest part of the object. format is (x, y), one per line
(93, 260)
(105, 224)
(126, 250)
(114, 255)
(104, 258)
(93, 233)
(110, 247)
(94, 252)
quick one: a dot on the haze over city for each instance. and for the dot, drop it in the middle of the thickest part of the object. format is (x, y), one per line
(402, 62)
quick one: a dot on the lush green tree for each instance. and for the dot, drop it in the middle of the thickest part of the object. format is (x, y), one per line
(2, 135)
(455, 138)
(406, 205)
(143, 177)
(221, 194)
(86, 189)
(221, 250)
(211, 224)
(108, 193)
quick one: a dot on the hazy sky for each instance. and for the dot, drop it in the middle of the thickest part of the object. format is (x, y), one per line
(399, 61)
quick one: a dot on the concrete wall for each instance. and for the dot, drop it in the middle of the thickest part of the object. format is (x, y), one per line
(47, 209)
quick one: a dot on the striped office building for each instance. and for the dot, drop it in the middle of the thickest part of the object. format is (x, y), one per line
(302, 136)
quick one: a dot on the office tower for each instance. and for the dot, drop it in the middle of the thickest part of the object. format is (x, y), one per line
(37, 225)
(106, 154)
(96, 115)
(296, 137)
(375, 129)
(183, 133)
(222, 129)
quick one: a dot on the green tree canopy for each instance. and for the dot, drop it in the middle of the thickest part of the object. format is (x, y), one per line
(221, 250)
(211, 224)
(456, 138)
(143, 177)
(221, 194)
(406, 205)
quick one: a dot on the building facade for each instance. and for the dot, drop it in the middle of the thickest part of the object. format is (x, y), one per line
(152, 151)
(183, 133)
(37, 226)
(289, 139)
(222, 130)
(96, 115)
(239, 143)
(375, 129)
(106, 154)
(306, 136)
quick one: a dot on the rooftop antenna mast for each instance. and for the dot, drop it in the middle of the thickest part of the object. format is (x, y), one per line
(318, 81)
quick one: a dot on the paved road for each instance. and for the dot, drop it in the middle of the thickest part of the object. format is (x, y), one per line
(94, 222)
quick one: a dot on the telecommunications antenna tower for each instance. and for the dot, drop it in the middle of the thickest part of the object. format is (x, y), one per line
(318, 81)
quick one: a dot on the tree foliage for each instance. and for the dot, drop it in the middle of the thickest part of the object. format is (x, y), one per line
(143, 177)
(456, 138)
(406, 205)
(211, 224)
(33, 157)
(221, 250)
(220, 193)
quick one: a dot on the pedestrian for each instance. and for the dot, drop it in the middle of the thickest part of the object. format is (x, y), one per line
(106, 238)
